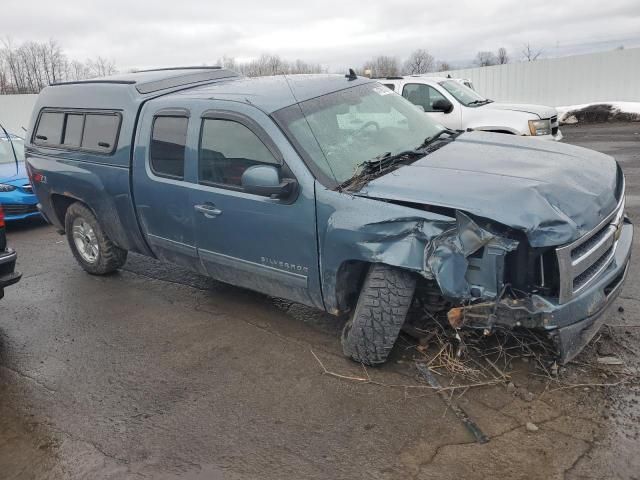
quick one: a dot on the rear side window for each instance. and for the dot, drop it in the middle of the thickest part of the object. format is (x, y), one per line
(100, 132)
(49, 128)
(227, 149)
(90, 131)
(390, 86)
(73, 130)
(168, 140)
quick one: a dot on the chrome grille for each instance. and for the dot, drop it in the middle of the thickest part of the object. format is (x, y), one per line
(583, 260)
(554, 125)
(27, 188)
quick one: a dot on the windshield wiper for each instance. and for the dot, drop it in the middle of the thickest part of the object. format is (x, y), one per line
(429, 140)
(380, 164)
(386, 160)
(480, 102)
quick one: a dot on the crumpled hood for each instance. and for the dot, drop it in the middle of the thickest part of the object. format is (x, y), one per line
(10, 172)
(541, 111)
(553, 192)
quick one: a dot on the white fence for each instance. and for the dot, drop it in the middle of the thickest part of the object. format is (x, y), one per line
(15, 112)
(596, 77)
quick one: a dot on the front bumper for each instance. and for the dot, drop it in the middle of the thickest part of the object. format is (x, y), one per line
(571, 325)
(590, 307)
(555, 138)
(19, 204)
(8, 275)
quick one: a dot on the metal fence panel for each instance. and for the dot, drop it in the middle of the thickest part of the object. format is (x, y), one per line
(596, 77)
(15, 112)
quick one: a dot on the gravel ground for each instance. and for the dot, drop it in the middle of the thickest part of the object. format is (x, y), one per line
(159, 373)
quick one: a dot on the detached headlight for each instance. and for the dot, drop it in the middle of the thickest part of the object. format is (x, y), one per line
(6, 188)
(540, 127)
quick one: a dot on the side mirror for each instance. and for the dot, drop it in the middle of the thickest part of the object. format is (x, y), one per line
(442, 105)
(265, 180)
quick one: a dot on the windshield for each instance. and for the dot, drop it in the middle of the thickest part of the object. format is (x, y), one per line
(464, 94)
(6, 153)
(340, 131)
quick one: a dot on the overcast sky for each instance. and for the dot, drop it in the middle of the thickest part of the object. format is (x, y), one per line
(334, 33)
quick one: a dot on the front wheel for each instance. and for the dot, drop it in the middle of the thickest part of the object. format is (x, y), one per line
(382, 308)
(93, 250)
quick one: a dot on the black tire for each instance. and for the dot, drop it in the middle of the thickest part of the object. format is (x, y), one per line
(384, 301)
(110, 257)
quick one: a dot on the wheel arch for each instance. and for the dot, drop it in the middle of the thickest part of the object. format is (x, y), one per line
(61, 204)
(349, 279)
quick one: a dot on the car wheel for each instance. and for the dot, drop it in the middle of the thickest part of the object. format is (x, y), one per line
(382, 307)
(93, 250)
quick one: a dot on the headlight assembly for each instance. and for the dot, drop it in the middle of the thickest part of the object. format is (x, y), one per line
(540, 127)
(6, 188)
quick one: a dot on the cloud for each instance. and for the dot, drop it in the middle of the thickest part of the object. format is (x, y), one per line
(333, 33)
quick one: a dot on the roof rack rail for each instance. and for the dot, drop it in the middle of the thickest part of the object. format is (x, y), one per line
(77, 82)
(179, 68)
(150, 81)
(393, 78)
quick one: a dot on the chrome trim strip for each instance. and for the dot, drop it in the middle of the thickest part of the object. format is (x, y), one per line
(290, 278)
(571, 268)
(9, 257)
(583, 262)
(604, 266)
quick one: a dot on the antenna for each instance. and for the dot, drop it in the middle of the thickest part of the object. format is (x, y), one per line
(13, 149)
(351, 75)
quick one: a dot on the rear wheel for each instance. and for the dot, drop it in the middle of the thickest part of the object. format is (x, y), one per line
(382, 308)
(93, 250)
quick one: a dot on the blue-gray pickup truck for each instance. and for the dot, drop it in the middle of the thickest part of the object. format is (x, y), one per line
(334, 192)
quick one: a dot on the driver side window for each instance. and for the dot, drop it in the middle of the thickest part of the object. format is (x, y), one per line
(227, 149)
(423, 95)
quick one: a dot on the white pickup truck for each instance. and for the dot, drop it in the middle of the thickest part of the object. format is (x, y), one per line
(452, 104)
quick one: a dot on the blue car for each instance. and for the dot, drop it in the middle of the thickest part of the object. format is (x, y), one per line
(16, 195)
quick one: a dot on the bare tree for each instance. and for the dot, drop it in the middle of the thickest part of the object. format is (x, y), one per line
(485, 59)
(31, 66)
(228, 62)
(443, 66)
(77, 71)
(300, 66)
(101, 67)
(529, 53)
(382, 66)
(502, 56)
(268, 64)
(420, 61)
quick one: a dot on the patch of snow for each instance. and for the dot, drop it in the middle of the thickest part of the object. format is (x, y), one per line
(566, 112)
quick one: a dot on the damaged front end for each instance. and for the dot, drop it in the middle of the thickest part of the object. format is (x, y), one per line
(563, 291)
(540, 263)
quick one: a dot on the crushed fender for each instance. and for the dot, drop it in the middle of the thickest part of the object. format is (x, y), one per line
(447, 259)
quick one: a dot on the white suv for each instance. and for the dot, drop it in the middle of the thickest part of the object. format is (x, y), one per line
(452, 104)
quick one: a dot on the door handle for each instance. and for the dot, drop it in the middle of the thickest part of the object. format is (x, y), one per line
(208, 210)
